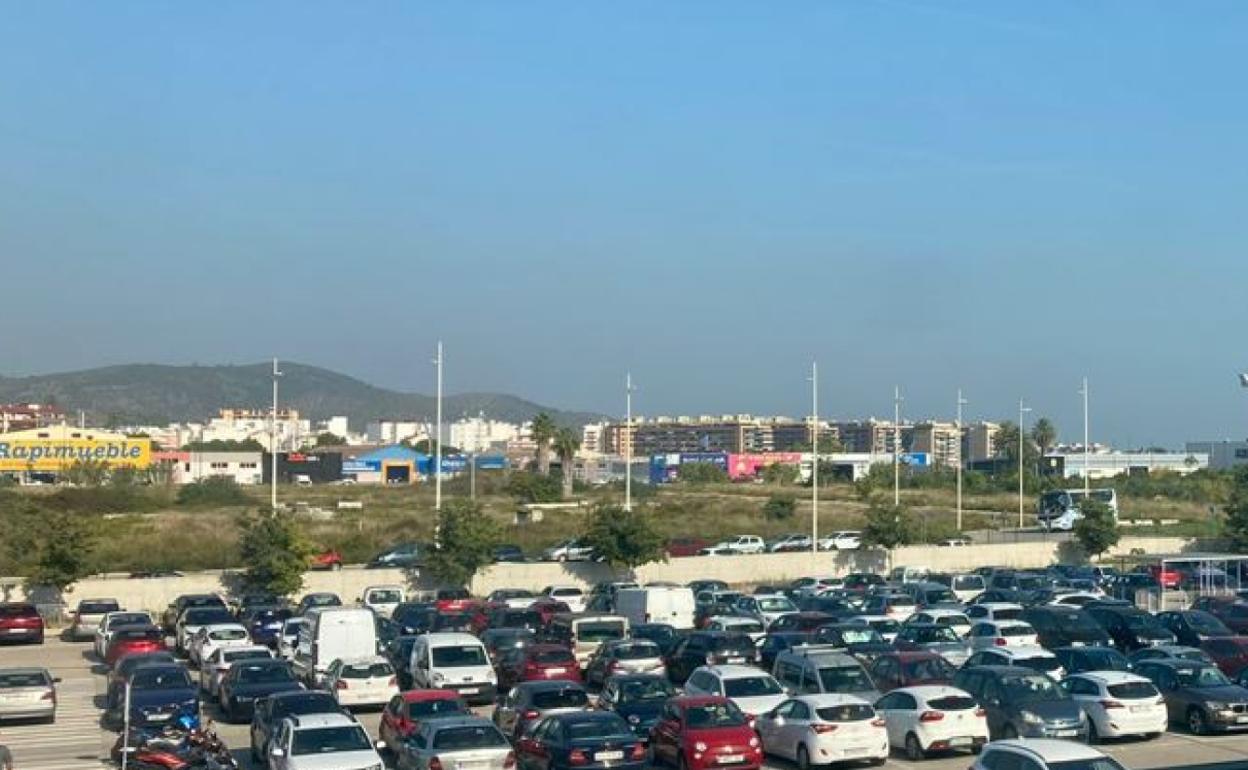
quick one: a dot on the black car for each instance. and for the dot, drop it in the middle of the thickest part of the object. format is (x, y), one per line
(317, 599)
(1192, 627)
(115, 684)
(250, 680)
(1198, 695)
(247, 602)
(508, 553)
(1076, 660)
(1129, 627)
(174, 611)
(777, 642)
(512, 617)
(639, 698)
(580, 740)
(1059, 626)
(662, 634)
(269, 712)
(527, 702)
(399, 653)
(414, 617)
(159, 694)
(707, 648)
(499, 640)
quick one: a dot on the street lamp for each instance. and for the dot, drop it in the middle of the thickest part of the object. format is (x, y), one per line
(896, 445)
(437, 467)
(1022, 411)
(814, 467)
(1087, 471)
(961, 403)
(628, 445)
(273, 440)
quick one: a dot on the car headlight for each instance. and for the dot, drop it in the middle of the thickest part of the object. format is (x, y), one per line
(754, 742)
(699, 746)
(1031, 718)
(1214, 705)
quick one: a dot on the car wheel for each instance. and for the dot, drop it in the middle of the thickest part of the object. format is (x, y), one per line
(1009, 732)
(914, 749)
(1151, 736)
(1196, 722)
(803, 758)
(977, 748)
(1094, 735)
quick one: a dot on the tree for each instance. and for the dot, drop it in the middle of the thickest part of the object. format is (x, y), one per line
(86, 473)
(531, 488)
(701, 473)
(566, 443)
(64, 548)
(275, 552)
(888, 526)
(1044, 435)
(624, 538)
(466, 541)
(543, 432)
(779, 507)
(329, 439)
(225, 445)
(430, 447)
(1236, 525)
(776, 473)
(1097, 531)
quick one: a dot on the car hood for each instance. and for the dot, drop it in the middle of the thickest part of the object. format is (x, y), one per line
(1053, 710)
(1228, 693)
(759, 704)
(722, 736)
(336, 760)
(163, 697)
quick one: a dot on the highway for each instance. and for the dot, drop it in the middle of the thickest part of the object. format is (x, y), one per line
(76, 741)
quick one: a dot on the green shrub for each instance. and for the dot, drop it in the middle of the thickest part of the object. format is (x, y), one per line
(215, 491)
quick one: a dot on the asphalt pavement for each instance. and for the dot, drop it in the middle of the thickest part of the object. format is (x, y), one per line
(76, 741)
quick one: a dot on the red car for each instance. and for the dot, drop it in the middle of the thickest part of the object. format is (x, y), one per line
(132, 639)
(1168, 578)
(326, 559)
(402, 715)
(537, 663)
(455, 600)
(910, 669)
(698, 732)
(548, 608)
(20, 622)
(686, 546)
(1229, 652)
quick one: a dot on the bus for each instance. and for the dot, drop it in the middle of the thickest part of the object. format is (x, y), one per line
(1059, 509)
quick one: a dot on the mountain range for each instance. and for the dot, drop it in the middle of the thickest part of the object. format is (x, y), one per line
(156, 394)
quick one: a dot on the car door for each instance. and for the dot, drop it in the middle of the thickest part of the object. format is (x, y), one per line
(1084, 692)
(280, 743)
(793, 731)
(665, 735)
(770, 727)
(893, 707)
(886, 673)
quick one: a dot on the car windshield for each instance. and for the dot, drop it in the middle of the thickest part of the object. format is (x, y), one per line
(1140, 621)
(229, 656)
(256, 674)
(775, 604)
(129, 618)
(161, 679)
(751, 686)
(12, 679)
(560, 699)
(939, 596)
(935, 635)
(468, 737)
(968, 583)
(1015, 631)
(738, 644)
(952, 703)
(599, 630)
(1203, 621)
(743, 625)
(1076, 622)
(97, 608)
(929, 669)
(863, 635)
(1133, 690)
(1045, 663)
(598, 728)
(552, 656)
(520, 619)
(1030, 689)
(459, 655)
(384, 597)
(844, 679)
(367, 670)
(305, 703)
(1095, 763)
(330, 740)
(637, 690)
(1203, 676)
(636, 651)
(206, 616)
(1103, 660)
(714, 715)
(846, 712)
(438, 707)
(228, 635)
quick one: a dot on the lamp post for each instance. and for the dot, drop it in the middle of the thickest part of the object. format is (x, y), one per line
(896, 445)
(1022, 410)
(273, 441)
(437, 461)
(628, 443)
(958, 427)
(814, 466)
(1087, 470)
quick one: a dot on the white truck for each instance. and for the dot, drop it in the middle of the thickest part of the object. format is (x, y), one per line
(333, 633)
(656, 604)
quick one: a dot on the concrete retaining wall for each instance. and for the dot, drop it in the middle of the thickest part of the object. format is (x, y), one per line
(156, 593)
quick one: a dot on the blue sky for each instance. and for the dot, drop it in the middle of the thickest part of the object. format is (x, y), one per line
(1001, 196)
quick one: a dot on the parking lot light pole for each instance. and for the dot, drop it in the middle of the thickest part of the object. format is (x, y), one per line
(1022, 411)
(1087, 471)
(273, 439)
(896, 445)
(437, 461)
(961, 459)
(814, 465)
(628, 444)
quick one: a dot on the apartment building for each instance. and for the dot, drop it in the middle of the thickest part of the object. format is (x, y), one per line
(737, 434)
(939, 441)
(979, 441)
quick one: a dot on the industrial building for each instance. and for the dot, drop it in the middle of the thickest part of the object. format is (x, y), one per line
(47, 452)
(1104, 465)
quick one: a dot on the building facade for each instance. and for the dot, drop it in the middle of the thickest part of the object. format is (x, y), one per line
(15, 417)
(737, 434)
(1223, 455)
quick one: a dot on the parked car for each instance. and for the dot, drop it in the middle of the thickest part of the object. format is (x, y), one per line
(1077, 660)
(1058, 626)
(250, 681)
(739, 624)
(895, 606)
(114, 682)
(754, 691)
(841, 540)
(936, 638)
(663, 634)
(111, 622)
(765, 608)
(809, 670)
(707, 648)
(861, 582)
(705, 732)
(943, 616)
(582, 739)
(264, 624)
(401, 556)
(788, 543)
(1033, 657)
(464, 741)
(356, 682)
(268, 713)
(326, 558)
(548, 607)
(507, 554)
(816, 730)
(512, 598)
(196, 617)
(685, 546)
(571, 549)
(573, 596)
(159, 693)
(776, 642)
(302, 744)
(86, 619)
(28, 693)
(169, 618)
(624, 656)
(317, 599)
(21, 622)
(210, 638)
(1193, 627)
(1232, 611)
(1198, 695)
(1043, 754)
(1166, 651)
(219, 662)
(910, 669)
(858, 639)
(1022, 702)
(994, 611)
(1117, 704)
(1230, 653)
(500, 640)
(523, 705)
(406, 711)
(127, 640)
(1128, 627)
(639, 698)
(927, 719)
(1001, 633)
(539, 662)
(740, 544)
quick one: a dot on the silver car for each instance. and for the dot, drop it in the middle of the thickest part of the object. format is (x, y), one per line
(624, 656)
(459, 742)
(88, 616)
(27, 693)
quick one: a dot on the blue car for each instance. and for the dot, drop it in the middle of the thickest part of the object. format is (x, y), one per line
(160, 693)
(265, 624)
(585, 740)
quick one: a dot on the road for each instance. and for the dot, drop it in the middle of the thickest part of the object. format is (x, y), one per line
(76, 741)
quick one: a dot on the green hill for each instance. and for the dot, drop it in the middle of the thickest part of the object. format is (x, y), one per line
(152, 393)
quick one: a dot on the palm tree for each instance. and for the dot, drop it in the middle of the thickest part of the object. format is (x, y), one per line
(1044, 434)
(566, 442)
(543, 433)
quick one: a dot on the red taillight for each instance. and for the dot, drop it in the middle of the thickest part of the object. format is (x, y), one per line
(510, 761)
(1000, 641)
(394, 681)
(531, 714)
(879, 722)
(979, 712)
(931, 716)
(639, 752)
(820, 728)
(578, 757)
(1111, 704)
(341, 684)
(435, 763)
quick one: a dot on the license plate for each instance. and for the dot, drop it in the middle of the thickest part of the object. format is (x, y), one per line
(556, 670)
(1138, 709)
(727, 759)
(470, 690)
(609, 755)
(158, 717)
(1065, 733)
(964, 741)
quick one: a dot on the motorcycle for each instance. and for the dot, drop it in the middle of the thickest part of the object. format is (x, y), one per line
(181, 745)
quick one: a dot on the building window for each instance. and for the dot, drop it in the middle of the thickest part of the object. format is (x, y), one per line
(219, 466)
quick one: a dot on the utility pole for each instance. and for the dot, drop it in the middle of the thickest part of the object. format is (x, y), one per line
(1022, 411)
(896, 445)
(628, 444)
(814, 466)
(961, 459)
(437, 461)
(1087, 471)
(273, 439)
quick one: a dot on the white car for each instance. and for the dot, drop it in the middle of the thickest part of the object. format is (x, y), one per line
(322, 742)
(751, 627)
(515, 598)
(765, 607)
(754, 692)
(568, 550)
(932, 718)
(1001, 633)
(994, 611)
(1118, 703)
(886, 626)
(788, 543)
(1035, 658)
(573, 596)
(214, 667)
(1042, 754)
(813, 586)
(739, 544)
(362, 681)
(843, 540)
(111, 622)
(818, 730)
(955, 619)
(288, 638)
(209, 638)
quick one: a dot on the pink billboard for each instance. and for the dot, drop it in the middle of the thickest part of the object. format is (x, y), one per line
(747, 466)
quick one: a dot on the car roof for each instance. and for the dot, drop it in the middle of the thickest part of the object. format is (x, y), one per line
(820, 652)
(369, 659)
(1000, 605)
(819, 700)
(1173, 663)
(543, 685)
(450, 723)
(908, 656)
(447, 638)
(943, 612)
(307, 721)
(1048, 749)
(1111, 677)
(929, 691)
(1007, 623)
(1024, 651)
(735, 672)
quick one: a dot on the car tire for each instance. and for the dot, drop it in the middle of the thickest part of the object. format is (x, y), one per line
(914, 749)
(1151, 736)
(803, 757)
(1197, 724)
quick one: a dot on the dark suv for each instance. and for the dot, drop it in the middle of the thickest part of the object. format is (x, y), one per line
(1129, 627)
(707, 648)
(1021, 702)
(1193, 627)
(1064, 626)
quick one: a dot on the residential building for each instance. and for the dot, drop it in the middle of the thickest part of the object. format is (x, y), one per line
(592, 438)
(873, 436)
(257, 425)
(979, 441)
(477, 435)
(387, 432)
(14, 417)
(738, 434)
(938, 440)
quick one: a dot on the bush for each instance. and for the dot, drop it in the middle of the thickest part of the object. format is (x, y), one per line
(275, 553)
(466, 541)
(215, 491)
(701, 473)
(624, 538)
(779, 507)
(888, 526)
(1097, 531)
(534, 488)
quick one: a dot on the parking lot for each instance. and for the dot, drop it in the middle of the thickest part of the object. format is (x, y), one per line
(76, 742)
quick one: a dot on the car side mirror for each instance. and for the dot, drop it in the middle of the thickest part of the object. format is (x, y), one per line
(277, 752)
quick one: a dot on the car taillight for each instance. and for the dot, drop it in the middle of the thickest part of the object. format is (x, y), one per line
(1111, 704)
(341, 684)
(878, 722)
(979, 712)
(1000, 641)
(510, 760)
(394, 681)
(435, 763)
(931, 716)
(578, 757)
(820, 728)
(639, 752)
(531, 714)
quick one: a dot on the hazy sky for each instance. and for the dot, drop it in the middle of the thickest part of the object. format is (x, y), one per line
(1002, 196)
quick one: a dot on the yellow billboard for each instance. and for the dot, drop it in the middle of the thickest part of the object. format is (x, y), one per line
(23, 452)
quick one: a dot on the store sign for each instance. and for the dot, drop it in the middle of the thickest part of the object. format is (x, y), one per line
(46, 454)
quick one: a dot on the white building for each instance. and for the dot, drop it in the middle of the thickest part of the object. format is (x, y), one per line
(255, 425)
(396, 431)
(243, 467)
(591, 438)
(478, 434)
(339, 426)
(1104, 465)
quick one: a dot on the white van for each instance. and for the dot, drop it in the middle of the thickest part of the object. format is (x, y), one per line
(584, 634)
(453, 661)
(333, 633)
(673, 606)
(382, 599)
(967, 586)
